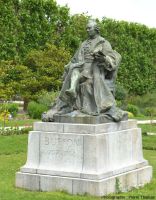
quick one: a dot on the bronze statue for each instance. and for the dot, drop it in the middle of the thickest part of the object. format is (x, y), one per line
(89, 80)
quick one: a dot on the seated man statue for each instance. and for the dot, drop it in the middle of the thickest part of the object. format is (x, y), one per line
(89, 80)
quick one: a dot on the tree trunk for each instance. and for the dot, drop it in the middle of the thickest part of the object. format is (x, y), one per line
(26, 101)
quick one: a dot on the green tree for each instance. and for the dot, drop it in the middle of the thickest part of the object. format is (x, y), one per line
(10, 29)
(12, 77)
(42, 72)
(30, 24)
(47, 67)
(136, 43)
(75, 32)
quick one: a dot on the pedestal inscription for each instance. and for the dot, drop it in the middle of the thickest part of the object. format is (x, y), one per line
(61, 151)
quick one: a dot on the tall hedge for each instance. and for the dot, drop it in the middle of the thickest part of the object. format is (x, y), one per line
(137, 45)
(30, 24)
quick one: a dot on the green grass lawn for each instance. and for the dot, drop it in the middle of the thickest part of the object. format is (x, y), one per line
(149, 142)
(13, 156)
(143, 117)
(14, 144)
(148, 128)
(18, 122)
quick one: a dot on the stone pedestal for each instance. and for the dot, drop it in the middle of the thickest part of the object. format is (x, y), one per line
(97, 159)
(77, 117)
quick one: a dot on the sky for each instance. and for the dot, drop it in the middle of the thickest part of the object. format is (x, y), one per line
(139, 11)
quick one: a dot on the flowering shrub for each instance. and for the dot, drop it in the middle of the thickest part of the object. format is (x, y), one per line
(14, 131)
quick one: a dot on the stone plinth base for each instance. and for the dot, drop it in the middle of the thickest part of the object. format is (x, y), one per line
(97, 159)
(77, 117)
(120, 183)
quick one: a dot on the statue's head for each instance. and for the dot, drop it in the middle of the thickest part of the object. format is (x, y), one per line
(92, 28)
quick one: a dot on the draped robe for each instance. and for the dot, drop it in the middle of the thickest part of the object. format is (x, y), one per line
(94, 96)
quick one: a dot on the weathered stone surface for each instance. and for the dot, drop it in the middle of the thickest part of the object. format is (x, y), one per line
(122, 182)
(84, 119)
(84, 158)
(84, 128)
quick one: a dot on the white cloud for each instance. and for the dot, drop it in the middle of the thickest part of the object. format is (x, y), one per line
(140, 11)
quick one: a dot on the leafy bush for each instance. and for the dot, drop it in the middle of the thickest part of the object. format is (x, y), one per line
(12, 108)
(133, 109)
(145, 103)
(150, 111)
(47, 98)
(35, 110)
(130, 115)
(4, 117)
(120, 93)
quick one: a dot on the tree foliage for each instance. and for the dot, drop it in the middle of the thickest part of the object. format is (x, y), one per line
(9, 29)
(137, 45)
(47, 66)
(29, 24)
(40, 72)
(31, 66)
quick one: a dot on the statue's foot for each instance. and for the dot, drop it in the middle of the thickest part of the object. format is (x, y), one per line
(71, 93)
(64, 111)
(48, 116)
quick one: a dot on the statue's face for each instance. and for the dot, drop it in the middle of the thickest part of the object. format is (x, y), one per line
(91, 30)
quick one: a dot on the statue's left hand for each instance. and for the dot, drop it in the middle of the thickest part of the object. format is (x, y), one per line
(98, 56)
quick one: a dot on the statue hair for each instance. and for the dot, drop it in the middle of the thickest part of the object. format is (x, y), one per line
(94, 23)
